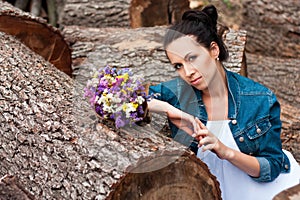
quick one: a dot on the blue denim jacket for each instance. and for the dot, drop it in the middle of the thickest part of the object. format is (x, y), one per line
(254, 114)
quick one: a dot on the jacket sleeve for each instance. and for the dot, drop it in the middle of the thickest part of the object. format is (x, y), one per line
(271, 157)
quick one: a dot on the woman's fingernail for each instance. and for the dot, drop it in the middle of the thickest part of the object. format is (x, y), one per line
(194, 135)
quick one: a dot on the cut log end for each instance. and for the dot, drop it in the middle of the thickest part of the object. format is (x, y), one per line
(39, 36)
(180, 176)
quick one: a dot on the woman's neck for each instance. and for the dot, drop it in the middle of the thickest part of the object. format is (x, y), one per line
(215, 97)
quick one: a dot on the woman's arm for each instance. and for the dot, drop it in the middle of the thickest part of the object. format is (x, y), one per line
(209, 141)
(182, 120)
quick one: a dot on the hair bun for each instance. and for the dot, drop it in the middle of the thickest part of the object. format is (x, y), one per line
(208, 16)
(193, 15)
(212, 13)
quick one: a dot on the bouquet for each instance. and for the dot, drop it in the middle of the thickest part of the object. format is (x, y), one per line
(117, 95)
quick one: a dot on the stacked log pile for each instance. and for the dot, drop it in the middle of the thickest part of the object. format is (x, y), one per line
(52, 141)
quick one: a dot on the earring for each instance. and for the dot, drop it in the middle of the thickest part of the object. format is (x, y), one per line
(218, 59)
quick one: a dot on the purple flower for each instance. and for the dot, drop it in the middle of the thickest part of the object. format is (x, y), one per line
(119, 122)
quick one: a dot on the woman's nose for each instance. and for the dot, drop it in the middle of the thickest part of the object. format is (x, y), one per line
(189, 69)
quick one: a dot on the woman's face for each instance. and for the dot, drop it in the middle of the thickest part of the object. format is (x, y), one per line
(193, 62)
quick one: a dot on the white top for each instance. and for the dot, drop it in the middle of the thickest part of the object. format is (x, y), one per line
(235, 184)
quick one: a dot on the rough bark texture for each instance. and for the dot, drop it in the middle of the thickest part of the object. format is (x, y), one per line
(96, 13)
(272, 27)
(282, 76)
(292, 193)
(122, 13)
(52, 143)
(148, 13)
(10, 189)
(39, 36)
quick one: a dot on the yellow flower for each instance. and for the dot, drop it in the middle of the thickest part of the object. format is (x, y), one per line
(135, 105)
(124, 107)
(124, 91)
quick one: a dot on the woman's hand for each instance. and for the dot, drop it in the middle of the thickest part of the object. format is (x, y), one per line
(208, 141)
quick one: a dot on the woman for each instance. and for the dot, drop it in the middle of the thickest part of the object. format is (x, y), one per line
(233, 120)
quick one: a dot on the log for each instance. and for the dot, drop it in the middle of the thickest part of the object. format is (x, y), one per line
(273, 27)
(292, 193)
(122, 13)
(39, 36)
(95, 13)
(53, 142)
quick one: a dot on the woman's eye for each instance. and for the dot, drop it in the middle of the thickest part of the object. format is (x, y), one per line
(177, 66)
(192, 58)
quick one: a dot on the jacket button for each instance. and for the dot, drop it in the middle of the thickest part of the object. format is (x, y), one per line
(286, 166)
(241, 139)
(234, 122)
(258, 130)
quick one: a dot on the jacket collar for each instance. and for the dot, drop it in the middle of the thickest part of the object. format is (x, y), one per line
(196, 96)
(233, 94)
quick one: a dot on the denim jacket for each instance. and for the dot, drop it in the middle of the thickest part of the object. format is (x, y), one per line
(254, 114)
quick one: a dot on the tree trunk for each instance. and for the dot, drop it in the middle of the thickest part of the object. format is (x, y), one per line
(273, 27)
(42, 38)
(53, 143)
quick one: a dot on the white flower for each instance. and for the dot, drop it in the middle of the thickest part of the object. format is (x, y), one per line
(129, 109)
(139, 100)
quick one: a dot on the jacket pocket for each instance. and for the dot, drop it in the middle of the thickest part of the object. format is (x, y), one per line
(259, 128)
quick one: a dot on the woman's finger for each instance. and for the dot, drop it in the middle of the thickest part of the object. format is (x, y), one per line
(201, 125)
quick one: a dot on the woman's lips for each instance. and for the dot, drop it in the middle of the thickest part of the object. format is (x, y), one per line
(196, 81)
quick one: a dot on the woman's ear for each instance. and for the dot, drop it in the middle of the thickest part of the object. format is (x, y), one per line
(214, 50)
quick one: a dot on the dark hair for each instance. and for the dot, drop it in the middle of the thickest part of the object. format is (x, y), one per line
(203, 25)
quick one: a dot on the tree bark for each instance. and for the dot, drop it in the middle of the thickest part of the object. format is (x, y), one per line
(11, 189)
(122, 13)
(96, 13)
(39, 36)
(53, 143)
(273, 27)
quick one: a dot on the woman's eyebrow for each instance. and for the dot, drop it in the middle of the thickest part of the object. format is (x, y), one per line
(186, 56)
